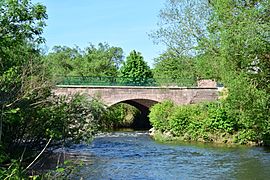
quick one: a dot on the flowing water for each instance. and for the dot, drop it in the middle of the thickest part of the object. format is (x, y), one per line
(134, 155)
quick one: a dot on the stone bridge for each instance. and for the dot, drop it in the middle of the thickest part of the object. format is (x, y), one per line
(142, 97)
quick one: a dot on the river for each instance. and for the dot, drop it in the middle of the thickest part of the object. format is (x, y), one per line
(134, 155)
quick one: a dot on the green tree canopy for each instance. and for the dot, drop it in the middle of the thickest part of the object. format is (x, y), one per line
(103, 60)
(30, 116)
(60, 61)
(229, 39)
(22, 24)
(172, 69)
(240, 44)
(182, 25)
(135, 70)
(23, 81)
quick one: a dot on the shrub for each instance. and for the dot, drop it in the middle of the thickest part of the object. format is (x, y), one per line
(160, 115)
(210, 121)
(218, 118)
(182, 117)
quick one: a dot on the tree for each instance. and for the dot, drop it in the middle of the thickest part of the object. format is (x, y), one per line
(60, 62)
(171, 69)
(23, 81)
(103, 60)
(21, 76)
(30, 117)
(182, 25)
(21, 28)
(231, 44)
(240, 34)
(240, 37)
(20, 34)
(135, 70)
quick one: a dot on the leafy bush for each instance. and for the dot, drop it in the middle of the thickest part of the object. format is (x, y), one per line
(181, 118)
(60, 120)
(210, 121)
(160, 115)
(74, 118)
(64, 119)
(14, 171)
(218, 118)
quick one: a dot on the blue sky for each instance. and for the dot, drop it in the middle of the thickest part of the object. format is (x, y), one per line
(123, 23)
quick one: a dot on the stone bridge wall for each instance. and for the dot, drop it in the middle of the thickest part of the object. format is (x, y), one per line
(146, 96)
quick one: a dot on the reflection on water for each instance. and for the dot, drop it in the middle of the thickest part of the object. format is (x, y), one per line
(134, 155)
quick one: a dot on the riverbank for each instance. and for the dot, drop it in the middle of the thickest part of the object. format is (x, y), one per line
(217, 139)
(206, 122)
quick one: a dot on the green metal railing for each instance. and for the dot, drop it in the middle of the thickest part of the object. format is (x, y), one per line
(123, 81)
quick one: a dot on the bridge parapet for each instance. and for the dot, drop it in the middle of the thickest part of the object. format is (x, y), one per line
(146, 96)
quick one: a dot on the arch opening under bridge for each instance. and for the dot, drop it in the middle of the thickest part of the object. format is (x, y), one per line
(141, 120)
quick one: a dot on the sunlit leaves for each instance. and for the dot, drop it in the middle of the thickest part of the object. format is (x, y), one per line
(178, 70)
(182, 25)
(135, 70)
(102, 60)
(233, 48)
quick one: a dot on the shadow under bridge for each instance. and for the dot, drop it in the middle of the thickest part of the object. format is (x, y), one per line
(141, 121)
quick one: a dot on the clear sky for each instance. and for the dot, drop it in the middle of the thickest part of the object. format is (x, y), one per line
(122, 23)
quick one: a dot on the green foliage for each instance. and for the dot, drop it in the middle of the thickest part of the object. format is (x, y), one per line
(183, 29)
(64, 171)
(218, 118)
(21, 76)
(160, 114)
(63, 119)
(182, 24)
(135, 70)
(72, 119)
(181, 118)
(59, 62)
(23, 81)
(29, 115)
(206, 121)
(14, 171)
(230, 43)
(21, 26)
(169, 67)
(121, 115)
(242, 44)
(67, 170)
(101, 61)
(207, 67)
